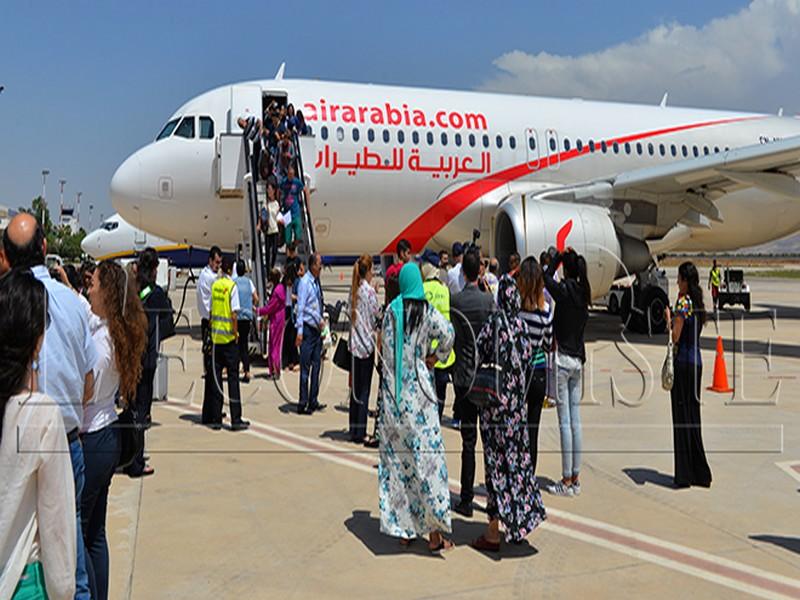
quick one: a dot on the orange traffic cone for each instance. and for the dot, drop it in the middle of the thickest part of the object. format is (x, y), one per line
(720, 383)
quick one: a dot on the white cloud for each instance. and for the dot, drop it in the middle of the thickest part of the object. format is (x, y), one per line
(747, 60)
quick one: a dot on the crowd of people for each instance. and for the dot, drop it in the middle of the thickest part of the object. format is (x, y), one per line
(77, 361)
(504, 341)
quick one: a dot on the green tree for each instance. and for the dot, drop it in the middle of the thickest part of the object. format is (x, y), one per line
(60, 240)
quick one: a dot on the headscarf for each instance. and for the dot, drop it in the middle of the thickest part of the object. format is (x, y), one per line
(508, 299)
(411, 288)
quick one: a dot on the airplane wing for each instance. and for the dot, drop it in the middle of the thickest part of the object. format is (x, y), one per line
(688, 188)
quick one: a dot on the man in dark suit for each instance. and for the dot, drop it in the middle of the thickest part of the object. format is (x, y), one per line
(469, 310)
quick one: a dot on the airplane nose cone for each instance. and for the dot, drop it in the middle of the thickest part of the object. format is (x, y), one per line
(126, 188)
(89, 243)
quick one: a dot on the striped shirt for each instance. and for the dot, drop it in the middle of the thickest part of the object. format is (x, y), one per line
(251, 129)
(540, 330)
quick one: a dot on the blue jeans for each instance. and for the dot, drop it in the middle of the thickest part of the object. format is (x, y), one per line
(310, 363)
(101, 453)
(569, 417)
(78, 472)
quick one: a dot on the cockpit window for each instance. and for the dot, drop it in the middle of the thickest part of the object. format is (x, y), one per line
(206, 128)
(186, 128)
(110, 225)
(168, 129)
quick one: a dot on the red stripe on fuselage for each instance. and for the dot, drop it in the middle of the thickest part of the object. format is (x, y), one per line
(420, 231)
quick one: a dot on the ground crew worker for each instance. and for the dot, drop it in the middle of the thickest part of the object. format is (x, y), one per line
(714, 280)
(224, 339)
(438, 295)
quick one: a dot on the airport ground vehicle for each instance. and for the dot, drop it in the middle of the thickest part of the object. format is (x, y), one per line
(641, 303)
(734, 290)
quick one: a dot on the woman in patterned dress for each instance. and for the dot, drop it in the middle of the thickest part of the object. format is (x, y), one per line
(412, 474)
(514, 497)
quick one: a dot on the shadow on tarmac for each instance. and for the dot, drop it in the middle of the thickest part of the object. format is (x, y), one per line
(787, 543)
(367, 529)
(642, 475)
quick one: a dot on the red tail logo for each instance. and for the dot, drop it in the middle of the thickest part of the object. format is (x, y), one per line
(561, 236)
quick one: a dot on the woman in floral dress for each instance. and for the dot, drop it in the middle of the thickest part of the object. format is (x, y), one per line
(412, 474)
(514, 497)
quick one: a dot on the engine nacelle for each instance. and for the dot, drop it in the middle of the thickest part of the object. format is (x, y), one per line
(530, 226)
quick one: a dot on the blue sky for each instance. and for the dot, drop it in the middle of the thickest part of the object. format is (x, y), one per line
(87, 83)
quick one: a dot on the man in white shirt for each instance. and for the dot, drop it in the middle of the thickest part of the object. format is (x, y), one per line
(207, 278)
(455, 278)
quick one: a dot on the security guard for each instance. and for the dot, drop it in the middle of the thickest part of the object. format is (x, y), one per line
(438, 295)
(714, 281)
(224, 339)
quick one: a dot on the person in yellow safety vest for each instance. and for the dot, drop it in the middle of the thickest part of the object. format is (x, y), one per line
(438, 295)
(225, 348)
(714, 281)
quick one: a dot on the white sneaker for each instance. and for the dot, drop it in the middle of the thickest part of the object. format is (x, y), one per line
(576, 488)
(560, 489)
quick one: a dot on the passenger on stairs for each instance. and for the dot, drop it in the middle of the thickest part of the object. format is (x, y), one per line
(292, 188)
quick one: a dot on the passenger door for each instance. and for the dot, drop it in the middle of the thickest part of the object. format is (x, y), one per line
(532, 149)
(553, 156)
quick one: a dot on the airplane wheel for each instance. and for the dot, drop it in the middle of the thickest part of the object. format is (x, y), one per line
(631, 319)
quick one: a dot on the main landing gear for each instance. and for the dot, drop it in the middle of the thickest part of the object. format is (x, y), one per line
(642, 305)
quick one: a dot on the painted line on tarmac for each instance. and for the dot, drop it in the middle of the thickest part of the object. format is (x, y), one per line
(791, 467)
(715, 569)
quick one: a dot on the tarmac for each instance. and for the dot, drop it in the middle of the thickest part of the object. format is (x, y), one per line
(289, 509)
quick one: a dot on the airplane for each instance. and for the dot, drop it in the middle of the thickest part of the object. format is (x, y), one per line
(620, 183)
(116, 238)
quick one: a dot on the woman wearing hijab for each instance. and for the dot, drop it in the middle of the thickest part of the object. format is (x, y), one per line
(412, 474)
(514, 497)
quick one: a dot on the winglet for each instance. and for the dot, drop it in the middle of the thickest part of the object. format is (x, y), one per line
(663, 103)
(279, 74)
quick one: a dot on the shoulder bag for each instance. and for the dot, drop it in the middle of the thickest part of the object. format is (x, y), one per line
(668, 368)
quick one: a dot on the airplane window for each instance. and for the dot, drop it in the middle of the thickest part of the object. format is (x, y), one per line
(566, 144)
(603, 146)
(457, 139)
(340, 134)
(684, 151)
(324, 132)
(638, 147)
(651, 149)
(401, 136)
(705, 150)
(673, 150)
(591, 145)
(471, 140)
(444, 139)
(695, 151)
(415, 137)
(356, 134)
(512, 142)
(579, 145)
(716, 149)
(485, 141)
(206, 128)
(627, 148)
(186, 128)
(532, 143)
(429, 137)
(616, 148)
(727, 148)
(499, 141)
(662, 150)
(167, 130)
(553, 144)
(371, 134)
(386, 135)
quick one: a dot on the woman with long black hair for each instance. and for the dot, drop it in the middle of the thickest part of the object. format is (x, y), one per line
(691, 466)
(572, 296)
(37, 494)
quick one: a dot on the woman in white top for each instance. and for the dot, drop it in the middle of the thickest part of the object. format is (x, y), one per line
(365, 313)
(273, 210)
(119, 331)
(37, 493)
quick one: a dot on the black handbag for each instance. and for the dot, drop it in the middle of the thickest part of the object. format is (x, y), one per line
(343, 358)
(485, 390)
(131, 436)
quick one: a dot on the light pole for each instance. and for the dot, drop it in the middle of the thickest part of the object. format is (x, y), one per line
(78, 208)
(45, 173)
(62, 183)
(91, 208)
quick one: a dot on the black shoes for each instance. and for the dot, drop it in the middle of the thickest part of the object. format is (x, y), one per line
(240, 425)
(464, 508)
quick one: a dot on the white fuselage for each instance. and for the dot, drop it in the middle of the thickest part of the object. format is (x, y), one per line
(423, 160)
